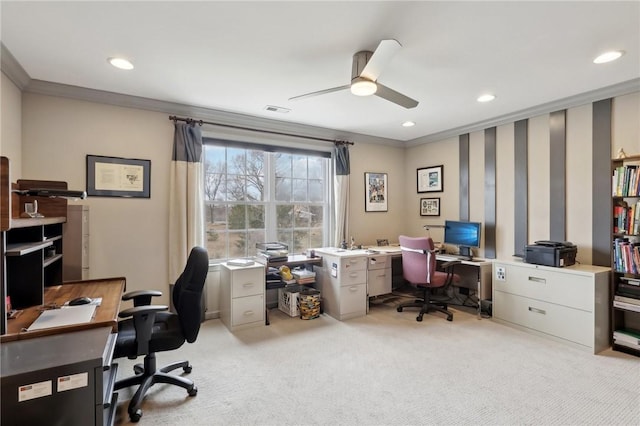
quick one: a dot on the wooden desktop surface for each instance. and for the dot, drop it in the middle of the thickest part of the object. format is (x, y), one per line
(109, 289)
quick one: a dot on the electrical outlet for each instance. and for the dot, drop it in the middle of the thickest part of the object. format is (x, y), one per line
(500, 273)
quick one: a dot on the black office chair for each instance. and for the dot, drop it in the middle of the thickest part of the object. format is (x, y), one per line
(419, 269)
(149, 329)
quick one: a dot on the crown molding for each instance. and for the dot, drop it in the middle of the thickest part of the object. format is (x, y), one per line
(614, 90)
(12, 68)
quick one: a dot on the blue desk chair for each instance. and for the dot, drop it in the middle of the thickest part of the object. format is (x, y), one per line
(419, 269)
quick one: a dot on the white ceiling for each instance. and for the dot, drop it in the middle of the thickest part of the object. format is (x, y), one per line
(242, 56)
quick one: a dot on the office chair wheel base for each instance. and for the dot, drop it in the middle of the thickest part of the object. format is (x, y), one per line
(187, 369)
(399, 308)
(450, 318)
(419, 318)
(138, 369)
(193, 391)
(135, 417)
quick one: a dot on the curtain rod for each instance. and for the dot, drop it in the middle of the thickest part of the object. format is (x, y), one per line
(201, 122)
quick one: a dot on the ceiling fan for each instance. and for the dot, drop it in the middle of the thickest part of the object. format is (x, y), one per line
(365, 71)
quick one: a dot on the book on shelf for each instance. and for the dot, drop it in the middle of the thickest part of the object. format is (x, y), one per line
(626, 305)
(628, 338)
(628, 290)
(626, 299)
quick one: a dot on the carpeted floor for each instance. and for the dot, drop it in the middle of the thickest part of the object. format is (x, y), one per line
(388, 369)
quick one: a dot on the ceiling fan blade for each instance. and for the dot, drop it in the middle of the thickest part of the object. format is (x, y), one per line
(319, 92)
(380, 58)
(397, 98)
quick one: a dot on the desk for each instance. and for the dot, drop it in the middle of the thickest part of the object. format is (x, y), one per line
(62, 375)
(110, 289)
(474, 274)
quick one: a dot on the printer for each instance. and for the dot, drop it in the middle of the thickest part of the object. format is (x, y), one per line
(551, 253)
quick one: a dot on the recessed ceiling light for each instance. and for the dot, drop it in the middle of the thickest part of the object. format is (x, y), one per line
(486, 98)
(408, 124)
(121, 63)
(608, 57)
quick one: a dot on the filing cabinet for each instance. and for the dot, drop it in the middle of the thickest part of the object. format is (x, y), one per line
(568, 304)
(342, 281)
(242, 296)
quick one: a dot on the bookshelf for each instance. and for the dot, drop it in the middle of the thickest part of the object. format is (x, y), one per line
(625, 255)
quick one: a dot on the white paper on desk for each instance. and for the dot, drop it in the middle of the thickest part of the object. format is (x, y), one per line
(61, 317)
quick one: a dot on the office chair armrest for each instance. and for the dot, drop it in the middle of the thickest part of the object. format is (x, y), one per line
(138, 310)
(141, 297)
(143, 319)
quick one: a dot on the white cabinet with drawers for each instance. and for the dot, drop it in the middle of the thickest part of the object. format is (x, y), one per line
(342, 281)
(242, 303)
(569, 304)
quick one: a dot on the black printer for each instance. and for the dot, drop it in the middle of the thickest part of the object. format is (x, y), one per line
(551, 253)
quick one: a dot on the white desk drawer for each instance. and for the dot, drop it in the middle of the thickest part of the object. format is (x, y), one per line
(379, 261)
(352, 277)
(355, 263)
(560, 321)
(247, 282)
(560, 286)
(379, 281)
(247, 310)
(353, 298)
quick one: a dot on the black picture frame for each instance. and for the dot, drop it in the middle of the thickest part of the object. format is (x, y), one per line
(118, 177)
(430, 179)
(429, 206)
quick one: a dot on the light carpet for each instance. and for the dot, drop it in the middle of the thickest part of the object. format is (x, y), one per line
(387, 368)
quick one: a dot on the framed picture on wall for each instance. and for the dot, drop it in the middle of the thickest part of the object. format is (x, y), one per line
(118, 177)
(430, 179)
(429, 206)
(375, 188)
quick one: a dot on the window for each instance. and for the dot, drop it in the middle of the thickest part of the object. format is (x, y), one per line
(256, 193)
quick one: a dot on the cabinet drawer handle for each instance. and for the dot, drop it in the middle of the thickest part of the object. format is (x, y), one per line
(353, 274)
(382, 276)
(538, 280)
(248, 313)
(537, 311)
(247, 285)
(353, 288)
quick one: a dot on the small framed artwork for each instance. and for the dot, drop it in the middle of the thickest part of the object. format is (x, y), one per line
(118, 177)
(429, 206)
(430, 179)
(375, 188)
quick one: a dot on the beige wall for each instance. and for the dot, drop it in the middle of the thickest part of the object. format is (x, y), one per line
(367, 227)
(129, 237)
(11, 125)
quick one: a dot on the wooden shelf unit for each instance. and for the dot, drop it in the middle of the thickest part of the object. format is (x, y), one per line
(623, 318)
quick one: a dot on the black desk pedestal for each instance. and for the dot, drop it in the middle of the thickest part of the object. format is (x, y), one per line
(70, 378)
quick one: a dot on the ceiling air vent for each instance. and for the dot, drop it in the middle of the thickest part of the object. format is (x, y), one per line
(273, 108)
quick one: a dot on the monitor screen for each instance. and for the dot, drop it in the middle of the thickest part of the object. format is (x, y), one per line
(465, 234)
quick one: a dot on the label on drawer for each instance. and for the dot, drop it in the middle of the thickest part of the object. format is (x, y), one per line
(34, 390)
(334, 270)
(73, 381)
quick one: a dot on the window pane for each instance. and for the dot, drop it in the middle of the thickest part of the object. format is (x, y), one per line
(301, 240)
(301, 216)
(283, 165)
(237, 217)
(216, 241)
(316, 213)
(255, 175)
(283, 189)
(284, 216)
(255, 216)
(315, 167)
(299, 190)
(299, 166)
(235, 161)
(286, 236)
(237, 244)
(316, 190)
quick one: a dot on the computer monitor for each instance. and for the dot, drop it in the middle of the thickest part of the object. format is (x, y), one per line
(463, 234)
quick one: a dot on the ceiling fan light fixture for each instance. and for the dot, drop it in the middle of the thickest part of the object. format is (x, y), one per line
(363, 87)
(408, 124)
